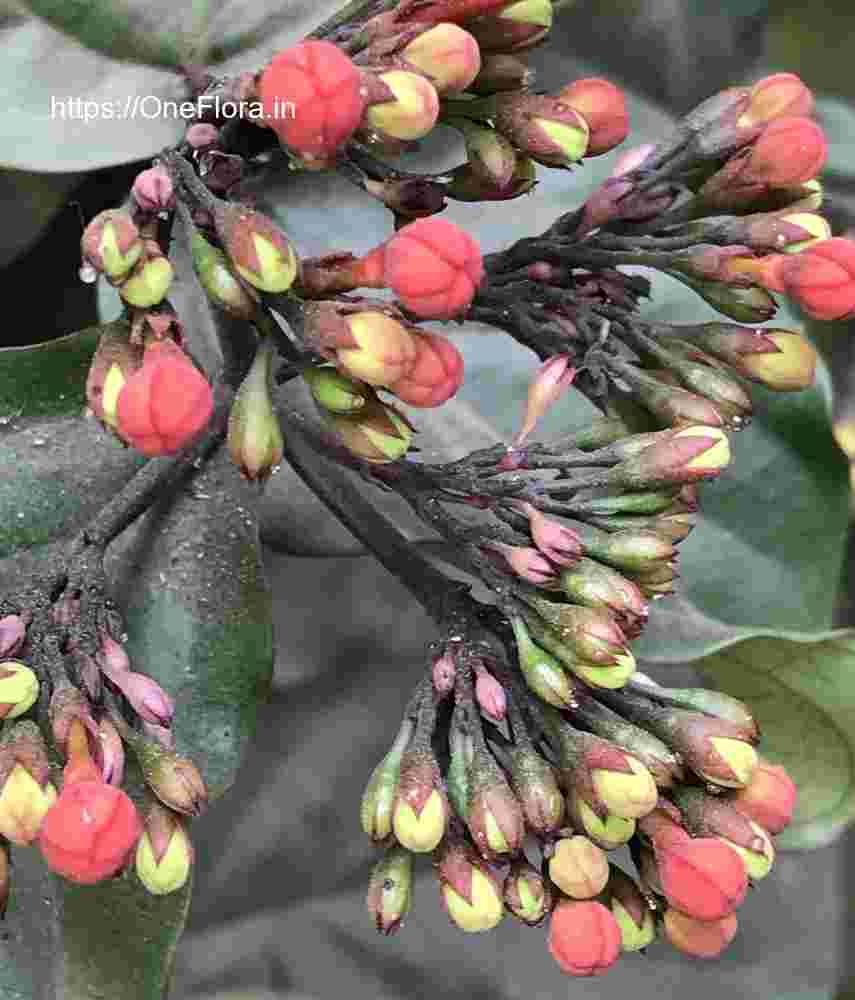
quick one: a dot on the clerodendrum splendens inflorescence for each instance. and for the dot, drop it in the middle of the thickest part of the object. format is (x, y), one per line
(531, 726)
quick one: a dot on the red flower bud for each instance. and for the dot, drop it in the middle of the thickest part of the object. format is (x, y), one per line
(13, 631)
(603, 107)
(584, 937)
(435, 375)
(776, 96)
(528, 563)
(549, 384)
(769, 798)
(821, 279)
(89, 832)
(434, 268)
(448, 55)
(557, 542)
(490, 694)
(789, 151)
(164, 405)
(312, 98)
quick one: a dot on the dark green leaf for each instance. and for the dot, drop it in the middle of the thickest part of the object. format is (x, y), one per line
(801, 689)
(29, 203)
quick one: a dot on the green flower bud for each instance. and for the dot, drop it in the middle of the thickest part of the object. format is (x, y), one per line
(257, 248)
(536, 788)
(526, 894)
(630, 909)
(148, 283)
(390, 890)
(378, 798)
(111, 243)
(542, 672)
(376, 433)
(255, 439)
(494, 818)
(336, 392)
(222, 286)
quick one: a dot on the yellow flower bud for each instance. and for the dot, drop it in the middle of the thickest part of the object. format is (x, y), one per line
(169, 873)
(483, 913)
(19, 688)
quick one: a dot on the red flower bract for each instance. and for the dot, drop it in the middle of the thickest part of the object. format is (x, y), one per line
(165, 404)
(311, 95)
(821, 279)
(584, 937)
(436, 374)
(89, 832)
(434, 268)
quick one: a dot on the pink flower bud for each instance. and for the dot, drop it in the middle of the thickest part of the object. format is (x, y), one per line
(769, 798)
(434, 376)
(527, 563)
(13, 632)
(113, 656)
(560, 544)
(201, 135)
(789, 151)
(821, 279)
(777, 96)
(153, 191)
(490, 694)
(444, 674)
(110, 753)
(146, 696)
(550, 383)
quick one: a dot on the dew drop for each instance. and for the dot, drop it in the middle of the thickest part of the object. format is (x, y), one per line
(87, 274)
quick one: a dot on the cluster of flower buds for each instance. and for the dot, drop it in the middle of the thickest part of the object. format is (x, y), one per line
(86, 827)
(481, 786)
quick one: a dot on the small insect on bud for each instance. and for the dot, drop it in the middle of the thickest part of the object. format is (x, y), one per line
(584, 937)
(153, 191)
(769, 798)
(526, 894)
(311, 95)
(164, 853)
(435, 375)
(19, 689)
(579, 868)
(408, 110)
(471, 895)
(434, 268)
(390, 890)
(111, 244)
(254, 438)
(699, 938)
(514, 27)
(603, 107)
(447, 54)
(164, 405)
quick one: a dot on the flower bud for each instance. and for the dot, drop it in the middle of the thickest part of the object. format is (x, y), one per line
(777, 96)
(444, 674)
(110, 753)
(447, 54)
(24, 802)
(821, 279)
(378, 799)
(584, 937)
(690, 455)
(490, 694)
(526, 894)
(714, 703)
(148, 283)
(579, 868)
(471, 894)
(603, 107)
(146, 697)
(383, 352)
(174, 779)
(699, 938)
(549, 384)
(335, 391)
(542, 127)
(536, 789)
(790, 150)
(468, 185)
(494, 816)
(390, 890)
(817, 228)
(790, 368)
(514, 27)
(13, 633)
(19, 689)
(434, 376)
(630, 909)
(420, 813)
(434, 268)
(408, 112)
(89, 832)
(116, 359)
(202, 135)
(377, 433)
(216, 276)
(500, 72)
(591, 633)
(528, 563)
(543, 673)
(111, 243)
(164, 853)
(769, 798)
(458, 778)
(258, 249)
(165, 404)
(254, 438)
(701, 877)
(488, 153)
(153, 191)
(560, 544)
(593, 585)
(607, 832)
(311, 95)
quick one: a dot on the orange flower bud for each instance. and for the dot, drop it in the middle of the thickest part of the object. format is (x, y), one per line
(584, 937)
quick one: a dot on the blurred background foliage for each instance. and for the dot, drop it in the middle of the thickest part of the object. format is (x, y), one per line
(278, 906)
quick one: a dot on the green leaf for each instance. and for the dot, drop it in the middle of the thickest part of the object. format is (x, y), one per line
(837, 118)
(801, 689)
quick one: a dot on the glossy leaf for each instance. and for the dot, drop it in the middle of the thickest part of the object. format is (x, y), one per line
(801, 689)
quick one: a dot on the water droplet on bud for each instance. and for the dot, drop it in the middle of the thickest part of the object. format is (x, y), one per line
(87, 274)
